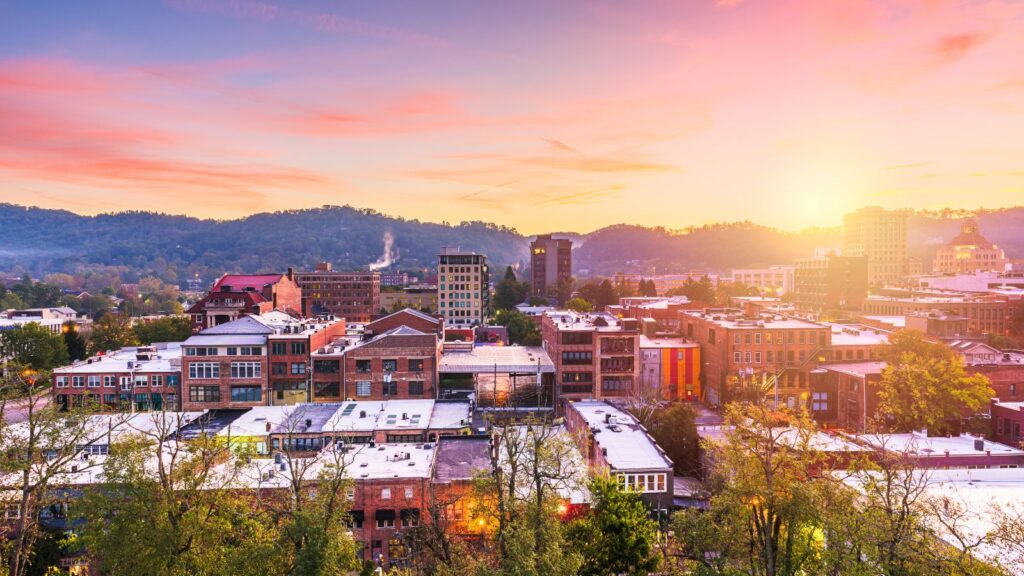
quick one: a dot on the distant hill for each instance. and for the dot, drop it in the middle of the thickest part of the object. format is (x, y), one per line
(41, 241)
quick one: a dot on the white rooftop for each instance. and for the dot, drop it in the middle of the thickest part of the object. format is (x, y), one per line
(167, 358)
(735, 320)
(523, 359)
(857, 335)
(646, 342)
(920, 445)
(627, 445)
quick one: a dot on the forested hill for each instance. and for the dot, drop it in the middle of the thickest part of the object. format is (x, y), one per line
(175, 248)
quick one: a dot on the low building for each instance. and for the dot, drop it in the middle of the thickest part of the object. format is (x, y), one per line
(986, 314)
(855, 342)
(398, 363)
(1007, 422)
(614, 443)
(776, 280)
(946, 452)
(845, 395)
(939, 324)
(234, 296)
(672, 367)
(663, 310)
(1004, 369)
(137, 378)
(498, 377)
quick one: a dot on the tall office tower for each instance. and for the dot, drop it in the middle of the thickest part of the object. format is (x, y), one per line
(880, 236)
(550, 263)
(463, 287)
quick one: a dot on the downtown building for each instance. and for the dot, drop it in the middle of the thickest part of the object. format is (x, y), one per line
(595, 355)
(969, 252)
(136, 378)
(550, 264)
(830, 282)
(354, 296)
(881, 237)
(235, 296)
(463, 287)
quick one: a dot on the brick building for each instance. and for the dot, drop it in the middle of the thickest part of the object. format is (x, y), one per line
(238, 364)
(672, 367)
(1007, 422)
(136, 378)
(463, 287)
(354, 296)
(663, 310)
(595, 355)
(985, 314)
(846, 395)
(550, 264)
(408, 317)
(772, 353)
(830, 283)
(234, 296)
(398, 363)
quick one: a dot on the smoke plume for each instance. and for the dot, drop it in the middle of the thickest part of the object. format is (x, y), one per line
(388, 258)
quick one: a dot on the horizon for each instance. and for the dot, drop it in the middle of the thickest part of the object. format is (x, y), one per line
(540, 117)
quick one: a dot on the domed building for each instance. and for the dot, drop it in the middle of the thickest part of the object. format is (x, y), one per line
(969, 252)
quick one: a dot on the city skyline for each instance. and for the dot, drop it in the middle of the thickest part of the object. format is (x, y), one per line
(540, 117)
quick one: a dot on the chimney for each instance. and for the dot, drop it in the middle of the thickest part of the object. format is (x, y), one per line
(268, 427)
(291, 273)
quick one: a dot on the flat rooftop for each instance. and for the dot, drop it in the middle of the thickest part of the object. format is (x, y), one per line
(920, 445)
(734, 320)
(859, 369)
(522, 359)
(167, 358)
(894, 321)
(568, 320)
(627, 444)
(362, 462)
(857, 335)
(646, 342)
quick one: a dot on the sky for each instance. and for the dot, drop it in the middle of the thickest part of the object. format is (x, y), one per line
(541, 115)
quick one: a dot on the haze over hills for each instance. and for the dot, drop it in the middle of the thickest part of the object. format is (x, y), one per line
(41, 241)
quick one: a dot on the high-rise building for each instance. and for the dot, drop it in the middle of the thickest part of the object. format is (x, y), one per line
(969, 252)
(354, 296)
(550, 263)
(463, 287)
(830, 283)
(880, 236)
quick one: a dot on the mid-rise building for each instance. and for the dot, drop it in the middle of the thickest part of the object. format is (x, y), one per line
(986, 314)
(137, 378)
(777, 280)
(830, 282)
(463, 287)
(743, 354)
(354, 296)
(398, 363)
(550, 264)
(672, 367)
(421, 297)
(969, 252)
(881, 237)
(234, 296)
(595, 355)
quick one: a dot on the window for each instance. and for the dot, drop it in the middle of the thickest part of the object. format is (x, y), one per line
(326, 389)
(385, 493)
(736, 338)
(757, 337)
(141, 381)
(389, 366)
(362, 365)
(156, 381)
(279, 368)
(246, 394)
(408, 493)
(736, 357)
(279, 348)
(204, 394)
(770, 355)
(246, 370)
(768, 337)
(94, 381)
(62, 381)
(577, 358)
(757, 357)
(746, 357)
(202, 351)
(389, 388)
(415, 388)
(109, 381)
(325, 366)
(643, 482)
(78, 381)
(362, 388)
(298, 348)
(819, 401)
(416, 365)
(203, 370)
(385, 523)
(298, 367)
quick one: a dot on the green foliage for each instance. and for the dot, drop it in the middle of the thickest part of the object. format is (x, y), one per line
(674, 429)
(34, 346)
(646, 288)
(510, 292)
(112, 332)
(74, 342)
(522, 330)
(925, 385)
(616, 536)
(598, 294)
(579, 305)
(696, 290)
(166, 329)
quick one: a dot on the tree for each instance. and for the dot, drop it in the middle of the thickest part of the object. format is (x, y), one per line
(510, 292)
(579, 305)
(616, 536)
(166, 507)
(522, 330)
(647, 288)
(74, 342)
(563, 290)
(925, 386)
(674, 428)
(34, 346)
(696, 291)
(166, 329)
(37, 450)
(112, 332)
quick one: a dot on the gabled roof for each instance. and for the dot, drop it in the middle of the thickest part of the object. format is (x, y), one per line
(241, 282)
(244, 325)
(399, 331)
(413, 312)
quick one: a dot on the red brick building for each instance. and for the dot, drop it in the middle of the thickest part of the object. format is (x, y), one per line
(399, 363)
(846, 395)
(1007, 422)
(408, 317)
(235, 295)
(759, 352)
(595, 355)
(354, 296)
(137, 378)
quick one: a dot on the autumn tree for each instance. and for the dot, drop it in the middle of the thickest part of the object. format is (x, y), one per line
(112, 332)
(925, 386)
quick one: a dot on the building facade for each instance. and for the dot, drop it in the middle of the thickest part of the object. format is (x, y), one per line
(234, 296)
(595, 355)
(672, 367)
(550, 264)
(354, 296)
(830, 283)
(131, 379)
(775, 280)
(881, 237)
(463, 287)
(985, 314)
(969, 252)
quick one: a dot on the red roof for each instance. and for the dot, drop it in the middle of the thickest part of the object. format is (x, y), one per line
(241, 282)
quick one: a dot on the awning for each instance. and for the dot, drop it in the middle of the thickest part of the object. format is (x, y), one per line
(410, 514)
(384, 515)
(357, 516)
